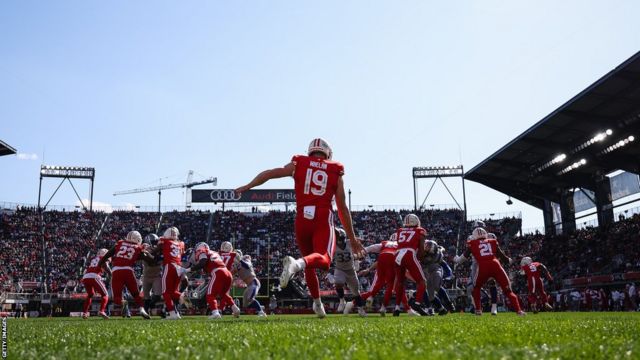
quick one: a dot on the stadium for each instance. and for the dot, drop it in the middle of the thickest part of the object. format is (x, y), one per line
(246, 270)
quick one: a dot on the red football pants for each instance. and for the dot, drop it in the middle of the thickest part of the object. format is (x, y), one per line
(170, 284)
(493, 269)
(121, 278)
(537, 295)
(316, 240)
(410, 263)
(219, 285)
(95, 286)
(385, 276)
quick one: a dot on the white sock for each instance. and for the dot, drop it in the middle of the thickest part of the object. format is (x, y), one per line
(494, 307)
(215, 312)
(397, 307)
(317, 301)
(301, 264)
(235, 308)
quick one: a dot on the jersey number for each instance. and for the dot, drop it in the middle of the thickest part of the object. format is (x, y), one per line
(533, 268)
(175, 250)
(485, 249)
(406, 236)
(319, 179)
(126, 252)
(343, 257)
(225, 259)
(94, 262)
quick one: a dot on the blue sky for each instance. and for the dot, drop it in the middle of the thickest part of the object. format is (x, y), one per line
(151, 89)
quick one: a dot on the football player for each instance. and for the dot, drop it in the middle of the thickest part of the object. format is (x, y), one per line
(125, 254)
(485, 250)
(411, 237)
(345, 272)
(219, 283)
(171, 248)
(92, 281)
(434, 269)
(385, 275)
(244, 269)
(534, 272)
(151, 276)
(317, 181)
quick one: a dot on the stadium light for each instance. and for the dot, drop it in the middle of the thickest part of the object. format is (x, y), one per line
(558, 159)
(437, 171)
(573, 166)
(82, 172)
(621, 143)
(599, 137)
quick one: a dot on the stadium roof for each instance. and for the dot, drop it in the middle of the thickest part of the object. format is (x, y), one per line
(571, 145)
(6, 149)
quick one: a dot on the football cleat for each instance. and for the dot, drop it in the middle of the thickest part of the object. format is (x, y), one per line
(173, 315)
(347, 308)
(417, 307)
(85, 315)
(318, 308)
(431, 312)
(443, 312)
(104, 315)
(362, 312)
(215, 314)
(396, 312)
(262, 314)
(289, 268)
(548, 307)
(522, 313)
(235, 310)
(342, 305)
(144, 314)
(412, 312)
(383, 310)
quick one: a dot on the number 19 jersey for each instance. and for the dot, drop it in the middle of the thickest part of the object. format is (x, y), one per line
(316, 181)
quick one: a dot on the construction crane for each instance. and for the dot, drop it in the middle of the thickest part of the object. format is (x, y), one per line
(189, 184)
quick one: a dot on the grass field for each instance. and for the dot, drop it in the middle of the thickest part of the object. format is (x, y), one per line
(464, 336)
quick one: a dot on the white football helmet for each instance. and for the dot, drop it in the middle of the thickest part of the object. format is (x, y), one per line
(525, 261)
(202, 246)
(411, 220)
(479, 233)
(491, 236)
(320, 145)
(226, 247)
(102, 252)
(478, 223)
(171, 233)
(134, 237)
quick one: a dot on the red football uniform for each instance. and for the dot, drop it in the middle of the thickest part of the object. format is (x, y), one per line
(484, 250)
(228, 258)
(316, 182)
(385, 274)
(126, 255)
(172, 251)
(406, 260)
(92, 281)
(220, 282)
(534, 283)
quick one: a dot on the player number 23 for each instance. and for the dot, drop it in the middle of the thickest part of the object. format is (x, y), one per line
(316, 182)
(126, 252)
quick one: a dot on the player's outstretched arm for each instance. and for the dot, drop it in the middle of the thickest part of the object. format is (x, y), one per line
(465, 255)
(107, 269)
(502, 257)
(267, 175)
(345, 218)
(546, 272)
(107, 256)
(148, 258)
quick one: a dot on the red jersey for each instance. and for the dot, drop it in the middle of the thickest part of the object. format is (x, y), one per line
(172, 251)
(316, 181)
(228, 258)
(214, 261)
(409, 237)
(483, 250)
(93, 266)
(126, 253)
(388, 247)
(531, 270)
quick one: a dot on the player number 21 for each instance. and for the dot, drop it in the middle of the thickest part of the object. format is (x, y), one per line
(319, 179)
(485, 249)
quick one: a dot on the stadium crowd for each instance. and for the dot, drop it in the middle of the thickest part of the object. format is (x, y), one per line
(268, 236)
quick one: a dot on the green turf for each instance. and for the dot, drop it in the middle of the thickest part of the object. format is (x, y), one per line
(542, 336)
